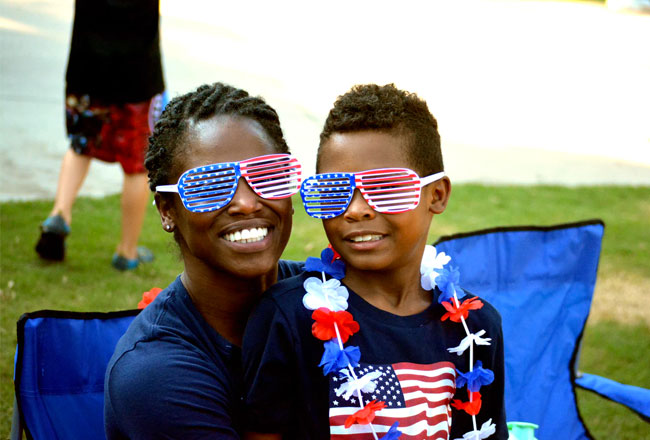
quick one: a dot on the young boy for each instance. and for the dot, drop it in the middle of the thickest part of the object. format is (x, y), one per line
(391, 348)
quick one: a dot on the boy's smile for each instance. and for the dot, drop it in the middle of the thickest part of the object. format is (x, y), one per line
(368, 240)
(364, 240)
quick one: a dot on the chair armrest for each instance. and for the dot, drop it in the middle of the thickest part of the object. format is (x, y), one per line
(635, 398)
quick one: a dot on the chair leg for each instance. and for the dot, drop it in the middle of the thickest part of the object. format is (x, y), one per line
(16, 425)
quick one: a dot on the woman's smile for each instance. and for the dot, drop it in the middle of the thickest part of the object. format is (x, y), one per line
(247, 235)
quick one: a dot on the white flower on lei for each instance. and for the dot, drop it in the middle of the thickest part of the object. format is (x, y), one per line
(487, 429)
(365, 383)
(329, 294)
(467, 341)
(431, 260)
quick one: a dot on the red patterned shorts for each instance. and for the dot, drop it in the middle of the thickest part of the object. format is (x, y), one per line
(112, 133)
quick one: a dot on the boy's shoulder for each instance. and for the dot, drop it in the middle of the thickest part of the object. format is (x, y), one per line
(288, 293)
(487, 316)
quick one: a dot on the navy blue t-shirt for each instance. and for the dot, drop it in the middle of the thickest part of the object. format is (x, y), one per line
(172, 376)
(287, 392)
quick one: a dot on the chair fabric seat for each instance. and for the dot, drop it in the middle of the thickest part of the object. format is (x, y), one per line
(541, 280)
(61, 358)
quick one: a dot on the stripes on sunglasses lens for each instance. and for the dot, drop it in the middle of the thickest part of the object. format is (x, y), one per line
(390, 190)
(275, 176)
(327, 195)
(208, 188)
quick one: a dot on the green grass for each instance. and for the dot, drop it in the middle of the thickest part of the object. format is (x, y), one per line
(617, 349)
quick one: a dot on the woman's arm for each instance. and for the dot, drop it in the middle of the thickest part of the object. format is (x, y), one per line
(166, 392)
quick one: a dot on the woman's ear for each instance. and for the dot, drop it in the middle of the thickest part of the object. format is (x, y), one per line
(439, 195)
(166, 211)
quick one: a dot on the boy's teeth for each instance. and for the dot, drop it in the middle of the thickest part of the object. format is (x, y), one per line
(360, 238)
(247, 235)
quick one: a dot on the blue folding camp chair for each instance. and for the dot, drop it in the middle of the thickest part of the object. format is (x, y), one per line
(59, 370)
(541, 279)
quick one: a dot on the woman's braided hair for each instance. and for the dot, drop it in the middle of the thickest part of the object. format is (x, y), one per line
(387, 108)
(166, 143)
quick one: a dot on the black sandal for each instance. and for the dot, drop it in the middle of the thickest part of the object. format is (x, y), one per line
(51, 244)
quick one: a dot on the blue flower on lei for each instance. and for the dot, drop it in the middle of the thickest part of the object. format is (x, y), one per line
(476, 378)
(335, 359)
(326, 263)
(447, 282)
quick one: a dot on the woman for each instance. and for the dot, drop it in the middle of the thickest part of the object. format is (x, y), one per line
(222, 177)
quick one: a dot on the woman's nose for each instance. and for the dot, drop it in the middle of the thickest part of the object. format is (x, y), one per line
(358, 209)
(245, 200)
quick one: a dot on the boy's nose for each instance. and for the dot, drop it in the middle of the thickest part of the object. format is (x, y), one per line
(245, 200)
(358, 209)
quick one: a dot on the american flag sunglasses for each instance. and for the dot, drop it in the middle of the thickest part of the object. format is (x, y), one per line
(211, 187)
(386, 190)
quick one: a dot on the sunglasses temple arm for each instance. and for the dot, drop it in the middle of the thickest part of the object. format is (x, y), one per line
(432, 178)
(167, 188)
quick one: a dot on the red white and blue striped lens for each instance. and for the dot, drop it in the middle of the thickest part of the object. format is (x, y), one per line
(386, 190)
(211, 187)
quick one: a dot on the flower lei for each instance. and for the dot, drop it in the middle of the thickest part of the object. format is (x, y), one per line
(148, 297)
(328, 300)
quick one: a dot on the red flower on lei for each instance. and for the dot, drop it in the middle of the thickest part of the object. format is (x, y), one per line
(365, 415)
(336, 255)
(148, 297)
(323, 327)
(470, 407)
(455, 313)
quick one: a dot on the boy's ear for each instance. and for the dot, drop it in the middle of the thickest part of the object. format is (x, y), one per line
(439, 195)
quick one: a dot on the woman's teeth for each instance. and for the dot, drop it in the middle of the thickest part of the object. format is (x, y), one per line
(360, 238)
(247, 235)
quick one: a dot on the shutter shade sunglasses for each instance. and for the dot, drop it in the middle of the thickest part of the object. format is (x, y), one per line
(211, 187)
(386, 190)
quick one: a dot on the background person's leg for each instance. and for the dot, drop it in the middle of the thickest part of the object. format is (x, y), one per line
(74, 170)
(51, 243)
(135, 198)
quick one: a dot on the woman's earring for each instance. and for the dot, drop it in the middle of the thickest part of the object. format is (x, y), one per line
(168, 227)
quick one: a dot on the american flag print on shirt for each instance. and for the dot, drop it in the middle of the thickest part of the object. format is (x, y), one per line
(417, 396)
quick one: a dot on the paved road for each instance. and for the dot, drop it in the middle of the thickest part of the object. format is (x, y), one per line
(525, 92)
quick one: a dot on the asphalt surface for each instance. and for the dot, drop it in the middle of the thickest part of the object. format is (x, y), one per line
(525, 92)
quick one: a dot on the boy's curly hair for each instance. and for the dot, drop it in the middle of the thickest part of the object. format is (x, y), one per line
(387, 108)
(167, 141)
